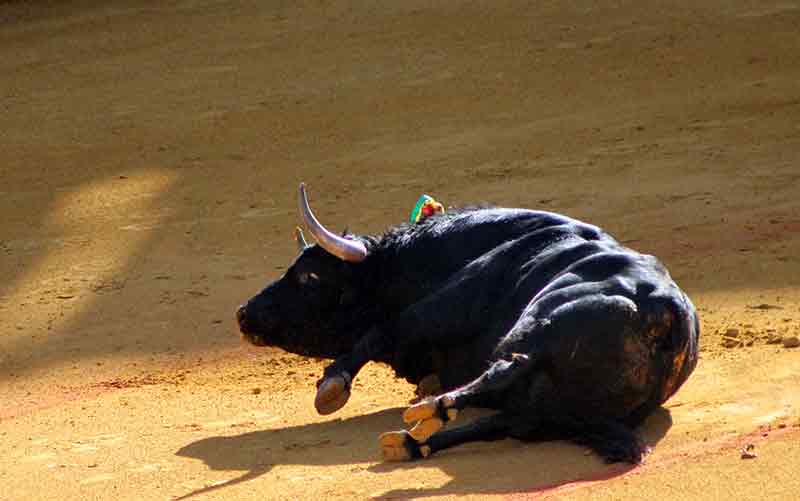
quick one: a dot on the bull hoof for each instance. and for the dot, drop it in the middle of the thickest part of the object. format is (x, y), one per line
(422, 431)
(401, 446)
(332, 394)
(429, 408)
(430, 415)
(423, 410)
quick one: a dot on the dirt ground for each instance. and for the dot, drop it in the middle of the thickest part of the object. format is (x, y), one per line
(150, 157)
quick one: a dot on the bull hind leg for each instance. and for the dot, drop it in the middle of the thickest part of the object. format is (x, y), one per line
(612, 441)
(402, 446)
(430, 415)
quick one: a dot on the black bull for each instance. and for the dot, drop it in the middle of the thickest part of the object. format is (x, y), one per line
(548, 320)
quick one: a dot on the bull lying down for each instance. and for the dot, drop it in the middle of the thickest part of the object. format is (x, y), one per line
(548, 320)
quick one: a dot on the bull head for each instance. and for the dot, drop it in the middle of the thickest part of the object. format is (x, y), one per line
(310, 309)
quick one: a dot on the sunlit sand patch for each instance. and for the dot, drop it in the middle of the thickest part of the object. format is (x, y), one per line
(771, 417)
(146, 468)
(108, 438)
(737, 408)
(249, 419)
(42, 456)
(107, 200)
(82, 448)
(309, 478)
(151, 467)
(233, 423)
(94, 479)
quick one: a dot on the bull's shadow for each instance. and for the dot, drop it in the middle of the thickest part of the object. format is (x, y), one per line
(472, 467)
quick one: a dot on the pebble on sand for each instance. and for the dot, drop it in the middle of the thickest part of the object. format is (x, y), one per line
(791, 342)
(748, 452)
(774, 339)
(730, 342)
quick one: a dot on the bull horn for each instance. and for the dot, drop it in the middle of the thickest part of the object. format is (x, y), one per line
(343, 248)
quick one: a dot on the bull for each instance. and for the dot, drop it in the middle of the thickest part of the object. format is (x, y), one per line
(548, 320)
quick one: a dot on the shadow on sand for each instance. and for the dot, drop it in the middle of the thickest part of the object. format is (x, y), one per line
(353, 441)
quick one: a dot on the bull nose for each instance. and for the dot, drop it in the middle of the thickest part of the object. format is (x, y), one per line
(241, 317)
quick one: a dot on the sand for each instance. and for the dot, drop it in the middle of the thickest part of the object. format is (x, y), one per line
(151, 155)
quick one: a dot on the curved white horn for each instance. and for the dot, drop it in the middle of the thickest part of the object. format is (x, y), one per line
(343, 248)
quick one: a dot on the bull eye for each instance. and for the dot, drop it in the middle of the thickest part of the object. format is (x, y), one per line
(309, 278)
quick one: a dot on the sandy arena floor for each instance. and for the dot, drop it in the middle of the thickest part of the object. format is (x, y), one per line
(150, 160)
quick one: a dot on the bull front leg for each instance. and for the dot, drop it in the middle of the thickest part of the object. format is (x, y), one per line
(333, 389)
(422, 324)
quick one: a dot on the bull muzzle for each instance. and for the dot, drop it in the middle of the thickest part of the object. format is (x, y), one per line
(252, 329)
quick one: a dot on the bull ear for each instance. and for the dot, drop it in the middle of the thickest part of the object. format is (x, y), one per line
(301, 240)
